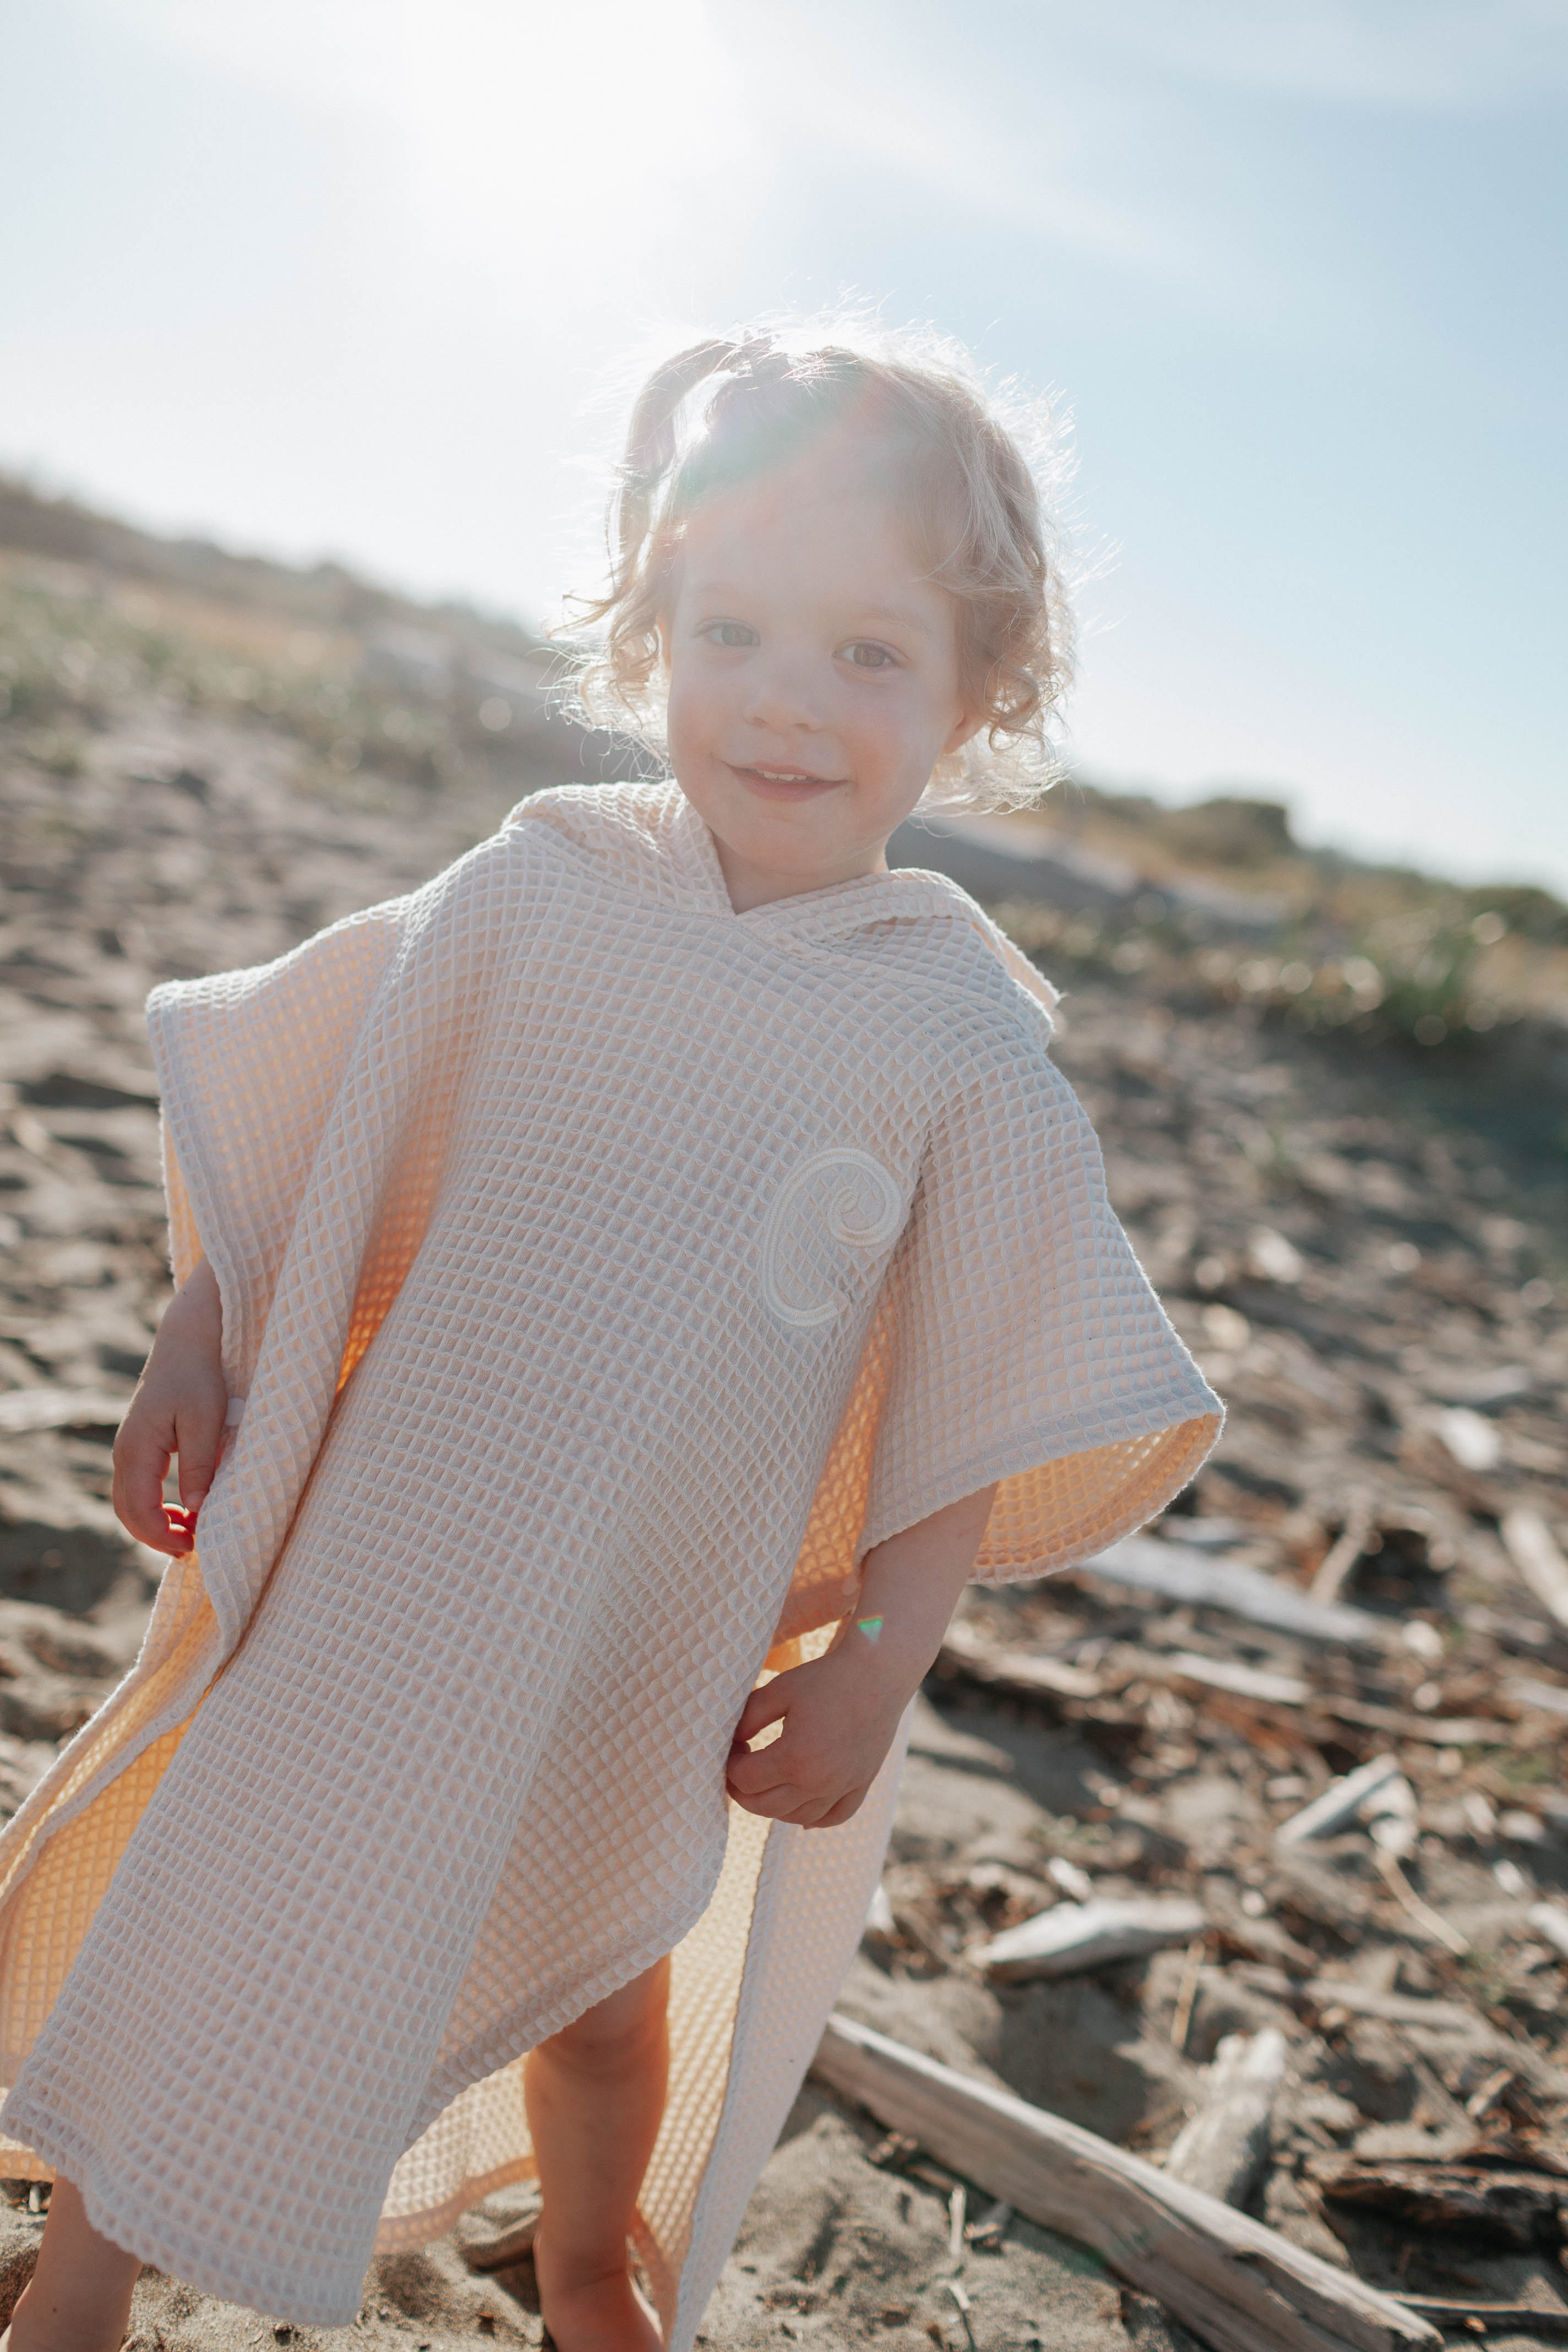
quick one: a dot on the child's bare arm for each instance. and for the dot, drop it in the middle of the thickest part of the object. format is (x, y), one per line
(840, 1712)
(178, 1409)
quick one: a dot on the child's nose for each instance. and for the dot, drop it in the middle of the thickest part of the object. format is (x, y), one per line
(781, 695)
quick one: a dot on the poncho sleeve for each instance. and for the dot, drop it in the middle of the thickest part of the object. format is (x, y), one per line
(1026, 1346)
(251, 1065)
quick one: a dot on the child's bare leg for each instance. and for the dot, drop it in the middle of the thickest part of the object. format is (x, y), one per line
(595, 2095)
(79, 2297)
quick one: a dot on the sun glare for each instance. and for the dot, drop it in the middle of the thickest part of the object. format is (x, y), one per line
(603, 121)
(538, 145)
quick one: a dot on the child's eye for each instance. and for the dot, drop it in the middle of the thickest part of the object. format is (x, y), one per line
(865, 654)
(730, 633)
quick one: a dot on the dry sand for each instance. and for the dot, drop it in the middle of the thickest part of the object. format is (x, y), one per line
(152, 836)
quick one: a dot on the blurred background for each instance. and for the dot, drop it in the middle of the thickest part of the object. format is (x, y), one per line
(318, 320)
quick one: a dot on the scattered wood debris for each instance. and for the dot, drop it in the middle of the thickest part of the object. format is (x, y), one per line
(1322, 1704)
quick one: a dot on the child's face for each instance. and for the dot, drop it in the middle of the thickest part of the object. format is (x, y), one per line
(813, 677)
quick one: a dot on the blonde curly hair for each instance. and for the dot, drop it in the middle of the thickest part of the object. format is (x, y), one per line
(727, 409)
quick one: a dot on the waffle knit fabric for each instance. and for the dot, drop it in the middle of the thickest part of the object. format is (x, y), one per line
(602, 1273)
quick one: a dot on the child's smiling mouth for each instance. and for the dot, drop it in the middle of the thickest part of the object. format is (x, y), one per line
(785, 784)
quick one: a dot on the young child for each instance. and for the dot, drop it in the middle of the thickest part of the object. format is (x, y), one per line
(660, 1248)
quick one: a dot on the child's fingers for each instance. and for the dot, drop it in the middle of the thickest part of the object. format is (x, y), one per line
(778, 1793)
(761, 1772)
(198, 1435)
(817, 1811)
(780, 1804)
(152, 1432)
(799, 1806)
(844, 1810)
(754, 1775)
(142, 1451)
(769, 1705)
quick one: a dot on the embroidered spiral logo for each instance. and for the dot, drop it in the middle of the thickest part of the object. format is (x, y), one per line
(836, 1200)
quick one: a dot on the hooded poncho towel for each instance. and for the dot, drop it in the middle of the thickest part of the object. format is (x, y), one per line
(604, 1272)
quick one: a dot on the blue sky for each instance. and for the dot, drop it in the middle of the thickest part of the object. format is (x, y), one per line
(367, 276)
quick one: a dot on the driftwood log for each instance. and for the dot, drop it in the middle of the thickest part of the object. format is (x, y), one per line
(1339, 1802)
(1177, 1573)
(1013, 1670)
(1534, 1551)
(1323, 1995)
(1027, 1672)
(1550, 1920)
(1528, 1690)
(1431, 1730)
(1030, 1673)
(1238, 2284)
(1342, 1557)
(513, 2245)
(1394, 1817)
(1544, 2325)
(1485, 2204)
(1227, 1674)
(1224, 2148)
(1076, 1936)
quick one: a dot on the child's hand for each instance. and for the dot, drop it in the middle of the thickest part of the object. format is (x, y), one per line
(840, 1713)
(178, 1409)
(839, 1717)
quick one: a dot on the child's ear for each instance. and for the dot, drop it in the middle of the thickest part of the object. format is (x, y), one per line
(969, 723)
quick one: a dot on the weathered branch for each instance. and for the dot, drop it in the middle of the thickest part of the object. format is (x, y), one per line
(1016, 1670)
(1534, 1553)
(1339, 1802)
(1076, 1937)
(1238, 2284)
(1223, 2150)
(1175, 1574)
